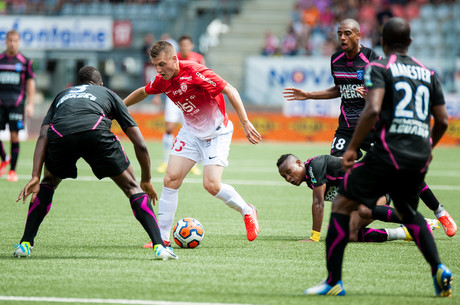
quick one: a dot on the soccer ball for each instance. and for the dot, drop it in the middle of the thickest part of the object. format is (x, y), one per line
(188, 233)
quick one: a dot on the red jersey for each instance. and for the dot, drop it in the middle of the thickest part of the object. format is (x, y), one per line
(196, 90)
(193, 56)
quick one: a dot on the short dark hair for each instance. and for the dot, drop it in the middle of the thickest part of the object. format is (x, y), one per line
(283, 158)
(89, 75)
(396, 33)
(161, 46)
(185, 37)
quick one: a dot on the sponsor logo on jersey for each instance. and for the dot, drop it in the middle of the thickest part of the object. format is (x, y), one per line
(186, 77)
(348, 91)
(206, 79)
(312, 176)
(11, 78)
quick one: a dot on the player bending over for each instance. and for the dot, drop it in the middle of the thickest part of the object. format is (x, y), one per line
(323, 175)
(76, 126)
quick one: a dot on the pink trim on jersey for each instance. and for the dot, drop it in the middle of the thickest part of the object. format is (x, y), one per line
(422, 65)
(338, 57)
(126, 158)
(29, 68)
(21, 58)
(385, 145)
(2, 55)
(98, 121)
(333, 178)
(23, 90)
(376, 64)
(391, 61)
(345, 75)
(364, 58)
(345, 116)
(54, 129)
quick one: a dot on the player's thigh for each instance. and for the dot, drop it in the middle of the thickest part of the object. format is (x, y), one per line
(405, 192)
(61, 156)
(215, 151)
(127, 182)
(16, 118)
(104, 153)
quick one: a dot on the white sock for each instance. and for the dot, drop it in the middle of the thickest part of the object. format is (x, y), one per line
(167, 206)
(167, 144)
(397, 233)
(440, 211)
(232, 199)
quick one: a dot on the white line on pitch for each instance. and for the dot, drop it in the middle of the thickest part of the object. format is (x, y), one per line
(102, 301)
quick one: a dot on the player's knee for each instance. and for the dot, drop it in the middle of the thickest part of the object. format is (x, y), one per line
(364, 212)
(212, 187)
(172, 181)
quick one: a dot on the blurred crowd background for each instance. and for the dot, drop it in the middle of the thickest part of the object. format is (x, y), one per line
(228, 32)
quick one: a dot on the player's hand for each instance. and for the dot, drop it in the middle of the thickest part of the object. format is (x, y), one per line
(157, 99)
(348, 159)
(251, 133)
(308, 240)
(292, 94)
(32, 187)
(361, 91)
(29, 110)
(147, 187)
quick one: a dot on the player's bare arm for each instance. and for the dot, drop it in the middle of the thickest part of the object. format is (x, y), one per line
(234, 97)
(33, 186)
(292, 94)
(317, 211)
(30, 88)
(135, 97)
(366, 122)
(440, 123)
(142, 155)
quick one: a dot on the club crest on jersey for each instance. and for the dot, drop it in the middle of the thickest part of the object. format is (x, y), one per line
(359, 74)
(183, 87)
(18, 67)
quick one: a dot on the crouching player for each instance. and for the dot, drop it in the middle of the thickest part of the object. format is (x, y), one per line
(76, 126)
(323, 175)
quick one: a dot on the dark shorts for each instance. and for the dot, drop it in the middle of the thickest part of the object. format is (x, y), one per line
(101, 149)
(12, 115)
(341, 141)
(371, 179)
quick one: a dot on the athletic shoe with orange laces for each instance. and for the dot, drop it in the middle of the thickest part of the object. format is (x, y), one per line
(12, 176)
(450, 227)
(252, 225)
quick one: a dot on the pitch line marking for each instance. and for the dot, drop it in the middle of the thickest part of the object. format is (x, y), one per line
(102, 301)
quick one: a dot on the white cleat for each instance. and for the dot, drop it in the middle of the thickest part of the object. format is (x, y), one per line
(160, 252)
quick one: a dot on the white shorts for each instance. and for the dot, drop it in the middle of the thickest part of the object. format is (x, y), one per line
(212, 151)
(172, 113)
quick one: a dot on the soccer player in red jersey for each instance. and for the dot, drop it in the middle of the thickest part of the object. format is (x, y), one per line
(206, 135)
(173, 115)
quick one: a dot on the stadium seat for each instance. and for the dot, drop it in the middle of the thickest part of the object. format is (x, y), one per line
(443, 11)
(67, 9)
(427, 12)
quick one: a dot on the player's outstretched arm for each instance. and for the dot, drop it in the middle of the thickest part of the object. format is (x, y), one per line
(292, 94)
(234, 97)
(142, 155)
(30, 88)
(135, 97)
(33, 186)
(317, 211)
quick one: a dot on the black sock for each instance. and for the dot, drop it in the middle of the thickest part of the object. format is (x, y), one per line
(14, 155)
(336, 241)
(419, 230)
(372, 235)
(428, 197)
(143, 211)
(37, 212)
(2, 151)
(385, 213)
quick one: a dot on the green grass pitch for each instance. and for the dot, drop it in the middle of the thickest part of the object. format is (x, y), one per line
(90, 246)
